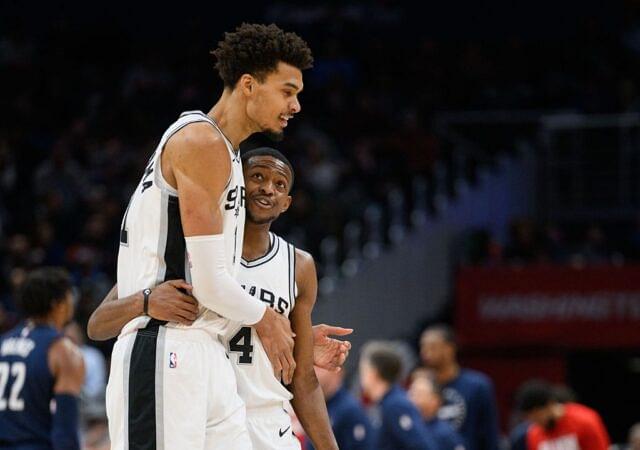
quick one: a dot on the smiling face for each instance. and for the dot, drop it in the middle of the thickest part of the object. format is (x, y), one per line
(272, 102)
(268, 181)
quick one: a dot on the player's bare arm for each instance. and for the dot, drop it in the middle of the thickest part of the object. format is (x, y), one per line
(166, 302)
(308, 399)
(67, 367)
(196, 163)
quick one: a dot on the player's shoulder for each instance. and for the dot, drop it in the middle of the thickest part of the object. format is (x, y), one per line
(303, 258)
(581, 413)
(65, 354)
(475, 378)
(196, 136)
(396, 401)
(305, 266)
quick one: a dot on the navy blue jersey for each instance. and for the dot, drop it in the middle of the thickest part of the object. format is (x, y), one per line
(402, 426)
(26, 386)
(518, 436)
(349, 422)
(470, 407)
(444, 435)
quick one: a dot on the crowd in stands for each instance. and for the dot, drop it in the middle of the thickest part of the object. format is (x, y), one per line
(84, 108)
(82, 116)
(574, 244)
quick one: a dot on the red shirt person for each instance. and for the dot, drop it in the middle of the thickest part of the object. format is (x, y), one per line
(560, 426)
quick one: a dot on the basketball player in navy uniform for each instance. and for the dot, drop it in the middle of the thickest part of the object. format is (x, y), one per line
(283, 278)
(41, 371)
(172, 386)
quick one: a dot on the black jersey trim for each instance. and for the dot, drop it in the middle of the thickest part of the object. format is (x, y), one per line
(292, 274)
(175, 249)
(142, 390)
(274, 246)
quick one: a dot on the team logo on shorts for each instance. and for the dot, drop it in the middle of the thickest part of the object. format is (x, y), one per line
(173, 360)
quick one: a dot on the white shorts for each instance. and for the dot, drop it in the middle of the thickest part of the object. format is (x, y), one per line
(172, 389)
(270, 429)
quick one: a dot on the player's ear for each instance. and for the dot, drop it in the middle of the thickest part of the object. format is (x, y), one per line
(246, 84)
(286, 204)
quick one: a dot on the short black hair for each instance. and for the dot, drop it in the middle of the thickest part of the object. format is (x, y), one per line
(384, 358)
(534, 394)
(43, 289)
(445, 331)
(257, 49)
(268, 151)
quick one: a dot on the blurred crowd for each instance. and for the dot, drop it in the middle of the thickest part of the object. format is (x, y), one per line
(433, 402)
(82, 116)
(574, 244)
(84, 106)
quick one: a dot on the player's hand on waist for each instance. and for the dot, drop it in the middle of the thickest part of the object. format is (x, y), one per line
(277, 339)
(168, 301)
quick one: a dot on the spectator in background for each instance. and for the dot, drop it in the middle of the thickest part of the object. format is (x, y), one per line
(468, 396)
(523, 246)
(634, 437)
(559, 425)
(427, 396)
(349, 421)
(401, 425)
(518, 435)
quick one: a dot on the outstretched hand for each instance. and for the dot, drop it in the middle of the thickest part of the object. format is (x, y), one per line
(329, 353)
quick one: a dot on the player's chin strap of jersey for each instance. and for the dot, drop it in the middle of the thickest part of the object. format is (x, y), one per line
(64, 429)
(214, 287)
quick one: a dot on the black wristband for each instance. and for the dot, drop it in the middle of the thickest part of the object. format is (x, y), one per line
(145, 305)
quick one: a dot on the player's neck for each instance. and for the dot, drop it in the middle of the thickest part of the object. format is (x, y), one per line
(44, 321)
(447, 373)
(256, 240)
(229, 114)
(378, 390)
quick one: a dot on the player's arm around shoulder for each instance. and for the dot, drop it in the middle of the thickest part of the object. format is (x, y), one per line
(308, 399)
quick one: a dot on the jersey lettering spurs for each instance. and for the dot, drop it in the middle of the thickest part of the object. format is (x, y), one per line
(270, 278)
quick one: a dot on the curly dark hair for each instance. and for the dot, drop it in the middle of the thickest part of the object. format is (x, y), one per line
(43, 289)
(257, 49)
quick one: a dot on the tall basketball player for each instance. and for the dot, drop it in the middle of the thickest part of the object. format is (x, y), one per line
(282, 277)
(172, 386)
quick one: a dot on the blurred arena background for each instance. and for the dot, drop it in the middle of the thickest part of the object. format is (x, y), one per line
(473, 163)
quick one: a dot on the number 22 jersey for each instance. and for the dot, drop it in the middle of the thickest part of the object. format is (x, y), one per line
(26, 385)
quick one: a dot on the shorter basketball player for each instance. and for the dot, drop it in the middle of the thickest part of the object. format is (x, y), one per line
(37, 365)
(284, 278)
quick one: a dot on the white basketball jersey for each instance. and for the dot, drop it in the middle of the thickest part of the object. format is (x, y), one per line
(271, 279)
(152, 245)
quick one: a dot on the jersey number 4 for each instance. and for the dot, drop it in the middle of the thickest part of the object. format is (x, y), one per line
(19, 371)
(241, 343)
